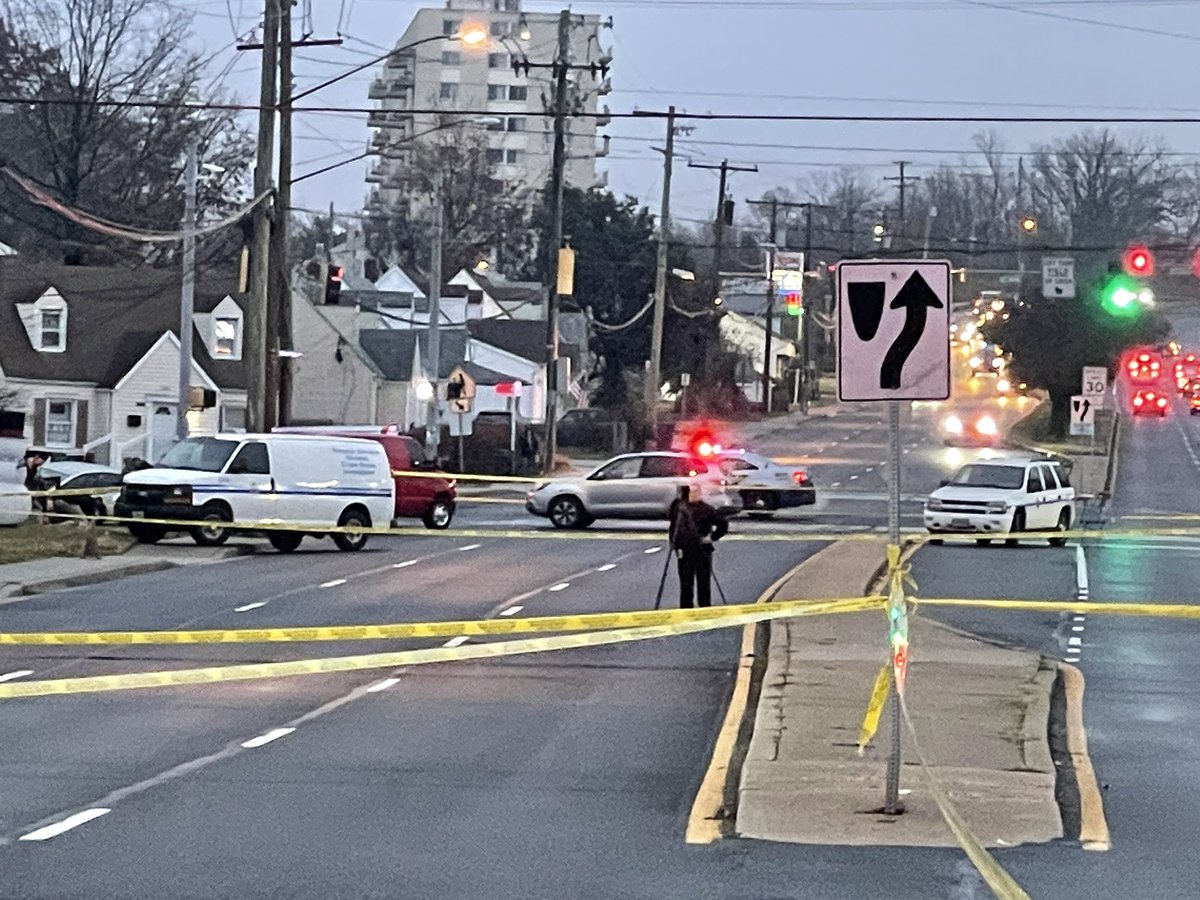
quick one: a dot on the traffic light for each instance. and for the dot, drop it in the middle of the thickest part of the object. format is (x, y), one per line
(1138, 261)
(333, 285)
(794, 303)
(1120, 296)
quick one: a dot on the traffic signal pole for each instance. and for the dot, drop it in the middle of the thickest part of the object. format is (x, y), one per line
(654, 375)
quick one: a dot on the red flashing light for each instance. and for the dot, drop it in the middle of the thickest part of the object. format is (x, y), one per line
(707, 448)
(1138, 401)
(1162, 401)
(800, 476)
(1139, 261)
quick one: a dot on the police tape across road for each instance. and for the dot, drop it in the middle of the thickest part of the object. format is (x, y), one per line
(729, 617)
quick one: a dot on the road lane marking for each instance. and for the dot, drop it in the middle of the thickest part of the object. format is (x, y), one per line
(273, 735)
(383, 685)
(249, 606)
(870, 468)
(1074, 642)
(334, 583)
(80, 818)
(854, 478)
(1093, 827)
(469, 547)
(1077, 628)
(457, 641)
(652, 550)
(1081, 574)
(405, 564)
(13, 676)
(511, 611)
(561, 586)
(607, 567)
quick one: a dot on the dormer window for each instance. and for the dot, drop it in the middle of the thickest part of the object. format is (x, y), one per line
(227, 337)
(53, 330)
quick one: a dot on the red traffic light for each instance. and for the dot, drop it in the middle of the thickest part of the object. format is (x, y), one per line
(1139, 260)
(794, 302)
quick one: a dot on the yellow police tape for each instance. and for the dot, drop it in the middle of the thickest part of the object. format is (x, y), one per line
(329, 665)
(879, 694)
(1160, 610)
(469, 627)
(1003, 885)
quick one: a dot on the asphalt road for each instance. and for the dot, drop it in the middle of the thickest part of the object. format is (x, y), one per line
(564, 775)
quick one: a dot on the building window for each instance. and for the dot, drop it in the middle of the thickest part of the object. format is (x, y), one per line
(227, 334)
(515, 124)
(233, 418)
(60, 423)
(518, 92)
(448, 90)
(496, 125)
(501, 29)
(497, 60)
(495, 156)
(54, 335)
(496, 91)
(512, 156)
(451, 27)
(451, 58)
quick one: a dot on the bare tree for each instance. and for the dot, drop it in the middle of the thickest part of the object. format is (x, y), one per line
(86, 64)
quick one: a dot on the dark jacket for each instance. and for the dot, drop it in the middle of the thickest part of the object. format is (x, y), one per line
(694, 526)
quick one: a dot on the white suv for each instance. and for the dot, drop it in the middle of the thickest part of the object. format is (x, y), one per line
(1003, 497)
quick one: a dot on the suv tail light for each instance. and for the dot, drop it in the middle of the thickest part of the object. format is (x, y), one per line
(800, 476)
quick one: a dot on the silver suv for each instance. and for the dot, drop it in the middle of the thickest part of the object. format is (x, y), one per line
(630, 486)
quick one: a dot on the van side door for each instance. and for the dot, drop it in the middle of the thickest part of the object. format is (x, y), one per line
(251, 489)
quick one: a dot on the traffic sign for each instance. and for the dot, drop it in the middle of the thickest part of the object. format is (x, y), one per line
(1095, 384)
(459, 384)
(508, 389)
(894, 330)
(1083, 417)
(461, 405)
(1058, 277)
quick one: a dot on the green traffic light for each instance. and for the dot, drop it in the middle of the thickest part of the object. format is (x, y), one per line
(1119, 296)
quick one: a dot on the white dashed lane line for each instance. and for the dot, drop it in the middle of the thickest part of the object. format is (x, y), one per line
(54, 830)
(13, 676)
(263, 739)
(607, 567)
(650, 550)
(469, 547)
(334, 583)
(383, 685)
(561, 586)
(511, 611)
(405, 564)
(250, 606)
(456, 642)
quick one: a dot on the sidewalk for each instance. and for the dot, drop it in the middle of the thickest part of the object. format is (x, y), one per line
(981, 713)
(55, 573)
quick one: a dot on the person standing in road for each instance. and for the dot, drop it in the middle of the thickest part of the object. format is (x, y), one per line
(695, 526)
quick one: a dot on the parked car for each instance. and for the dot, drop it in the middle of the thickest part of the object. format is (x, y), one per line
(1004, 497)
(309, 481)
(426, 497)
(16, 506)
(630, 486)
(73, 475)
(764, 484)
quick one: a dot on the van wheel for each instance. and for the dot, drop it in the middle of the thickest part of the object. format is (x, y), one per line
(1064, 524)
(211, 534)
(438, 515)
(352, 518)
(147, 534)
(285, 541)
(1018, 524)
(567, 512)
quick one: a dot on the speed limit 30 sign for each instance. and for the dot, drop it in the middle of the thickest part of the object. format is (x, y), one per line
(1095, 384)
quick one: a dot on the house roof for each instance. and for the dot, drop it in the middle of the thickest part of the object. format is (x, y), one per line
(500, 289)
(392, 351)
(114, 316)
(526, 339)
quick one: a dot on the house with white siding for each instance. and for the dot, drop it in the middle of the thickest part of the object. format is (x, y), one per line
(91, 356)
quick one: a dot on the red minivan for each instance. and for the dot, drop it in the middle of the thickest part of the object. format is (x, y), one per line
(428, 497)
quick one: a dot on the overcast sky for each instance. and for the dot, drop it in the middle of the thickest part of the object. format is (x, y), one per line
(939, 57)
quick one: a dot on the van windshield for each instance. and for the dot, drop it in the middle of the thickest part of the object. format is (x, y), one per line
(202, 454)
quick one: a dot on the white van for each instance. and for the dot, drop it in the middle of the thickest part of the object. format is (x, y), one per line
(263, 479)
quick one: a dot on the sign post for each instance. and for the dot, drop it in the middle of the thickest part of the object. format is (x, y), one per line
(894, 346)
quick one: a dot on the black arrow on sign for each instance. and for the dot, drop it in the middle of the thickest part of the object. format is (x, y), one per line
(1082, 407)
(866, 307)
(916, 297)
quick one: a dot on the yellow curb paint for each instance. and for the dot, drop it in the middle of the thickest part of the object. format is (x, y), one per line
(1093, 826)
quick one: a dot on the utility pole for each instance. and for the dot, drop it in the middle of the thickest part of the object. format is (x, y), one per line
(279, 309)
(433, 431)
(902, 182)
(654, 375)
(256, 339)
(188, 291)
(558, 176)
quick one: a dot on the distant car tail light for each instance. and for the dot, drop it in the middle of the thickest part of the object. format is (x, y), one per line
(1138, 401)
(986, 425)
(1162, 401)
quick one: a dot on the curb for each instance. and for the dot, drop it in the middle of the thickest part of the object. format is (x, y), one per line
(58, 584)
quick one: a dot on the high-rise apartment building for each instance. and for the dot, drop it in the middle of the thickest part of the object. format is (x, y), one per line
(443, 79)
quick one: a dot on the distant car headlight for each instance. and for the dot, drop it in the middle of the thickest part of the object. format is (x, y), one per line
(997, 506)
(953, 425)
(1003, 385)
(986, 425)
